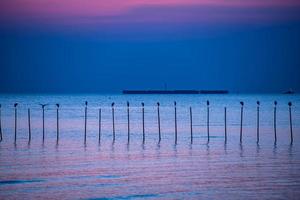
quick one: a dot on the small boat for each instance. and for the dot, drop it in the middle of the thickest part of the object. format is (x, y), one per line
(290, 91)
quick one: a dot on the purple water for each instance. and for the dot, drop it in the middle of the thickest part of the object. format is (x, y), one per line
(74, 170)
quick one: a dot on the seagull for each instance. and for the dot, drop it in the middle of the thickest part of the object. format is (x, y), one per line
(43, 105)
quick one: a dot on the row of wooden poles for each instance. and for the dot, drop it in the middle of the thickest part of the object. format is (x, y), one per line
(158, 122)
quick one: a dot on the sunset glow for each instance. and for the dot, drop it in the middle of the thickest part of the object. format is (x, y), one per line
(95, 12)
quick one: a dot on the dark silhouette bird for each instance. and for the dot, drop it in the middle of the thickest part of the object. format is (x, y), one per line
(275, 103)
(113, 104)
(43, 105)
(143, 104)
(290, 103)
(57, 105)
(258, 103)
(207, 103)
(242, 103)
(158, 104)
(127, 104)
(16, 104)
(174, 103)
(86, 103)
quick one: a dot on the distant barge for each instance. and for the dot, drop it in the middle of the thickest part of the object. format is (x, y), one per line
(175, 92)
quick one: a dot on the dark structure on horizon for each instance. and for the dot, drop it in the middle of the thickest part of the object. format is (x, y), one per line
(175, 91)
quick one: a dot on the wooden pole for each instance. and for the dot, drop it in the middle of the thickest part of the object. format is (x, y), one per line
(207, 104)
(257, 132)
(241, 125)
(43, 116)
(291, 125)
(143, 119)
(113, 120)
(15, 105)
(57, 123)
(191, 124)
(158, 121)
(175, 109)
(275, 133)
(0, 126)
(128, 123)
(85, 121)
(100, 124)
(225, 119)
(43, 124)
(29, 127)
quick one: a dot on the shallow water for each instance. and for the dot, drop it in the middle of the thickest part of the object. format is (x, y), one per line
(71, 169)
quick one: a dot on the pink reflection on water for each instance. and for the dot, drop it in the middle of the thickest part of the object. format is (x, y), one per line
(216, 170)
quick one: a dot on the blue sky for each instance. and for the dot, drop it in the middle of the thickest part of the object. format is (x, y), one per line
(99, 47)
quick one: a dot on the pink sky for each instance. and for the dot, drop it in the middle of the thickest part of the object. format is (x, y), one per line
(79, 11)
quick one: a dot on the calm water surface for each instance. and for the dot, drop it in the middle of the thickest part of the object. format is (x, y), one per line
(70, 169)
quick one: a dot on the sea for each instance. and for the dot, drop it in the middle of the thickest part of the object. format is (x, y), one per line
(105, 150)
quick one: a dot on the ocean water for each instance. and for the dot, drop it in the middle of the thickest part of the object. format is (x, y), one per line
(72, 169)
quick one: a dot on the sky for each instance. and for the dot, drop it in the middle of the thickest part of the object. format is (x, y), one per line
(105, 46)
